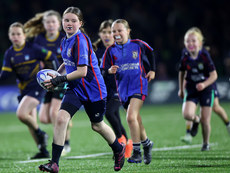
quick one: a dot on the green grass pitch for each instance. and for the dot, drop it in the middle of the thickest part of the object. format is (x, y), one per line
(164, 125)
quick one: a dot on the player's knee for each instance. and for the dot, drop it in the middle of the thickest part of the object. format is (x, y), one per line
(96, 127)
(130, 119)
(215, 108)
(21, 116)
(43, 120)
(188, 116)
(53, 115)
(60, 120)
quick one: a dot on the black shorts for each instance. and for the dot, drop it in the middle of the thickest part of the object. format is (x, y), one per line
(37, 92)
(95, 110)
(56, 94)
(138, 96)
(205, 97)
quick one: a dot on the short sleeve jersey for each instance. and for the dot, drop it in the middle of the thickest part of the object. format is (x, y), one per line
(77, 51)
(133, 64)
(197, 70)
(25, 62)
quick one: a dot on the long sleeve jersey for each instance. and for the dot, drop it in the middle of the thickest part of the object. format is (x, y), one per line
(135, 59)
(25, 63)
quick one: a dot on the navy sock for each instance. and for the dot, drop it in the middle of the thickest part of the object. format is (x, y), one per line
(66, 142)
(188, 131)
(137, 146)
(56, 152)
(38, 131)
(145, 142)
(116, 146)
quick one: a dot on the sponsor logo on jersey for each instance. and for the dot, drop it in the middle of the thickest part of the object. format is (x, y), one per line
(128, 66)
(68, 62)
(135, 54)
(194, 70)
(69, 52)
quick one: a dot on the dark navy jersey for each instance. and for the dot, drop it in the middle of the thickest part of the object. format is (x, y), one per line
(110, 81)
(100, 51)
(135, 59)
(25, 62)
(52, 45)
(197, 70)
(77, 51)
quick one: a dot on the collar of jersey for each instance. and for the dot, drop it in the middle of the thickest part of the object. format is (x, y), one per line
(122, 45)
(52, 40)
(73, 37)
(20, 48)
(200, 51)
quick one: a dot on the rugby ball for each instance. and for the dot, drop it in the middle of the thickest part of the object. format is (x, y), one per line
(42, 76)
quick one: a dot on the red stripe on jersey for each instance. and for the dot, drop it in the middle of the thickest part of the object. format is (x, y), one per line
(99, 87)
(90, 62)
(143, 43)
(83, 83)
(141, 71)
(78, 49)
(103, 64)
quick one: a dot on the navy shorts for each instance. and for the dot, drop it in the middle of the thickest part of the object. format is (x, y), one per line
(205, 97)
(56, 94)
(216, 91)
(95, 110)
(138, 96)
(37, 92)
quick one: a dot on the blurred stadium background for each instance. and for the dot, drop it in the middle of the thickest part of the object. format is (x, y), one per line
(161, 23)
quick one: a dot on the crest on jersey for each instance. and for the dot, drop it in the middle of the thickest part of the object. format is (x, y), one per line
(135, 54)
(27, 57)
(69, 52)
(200, 66)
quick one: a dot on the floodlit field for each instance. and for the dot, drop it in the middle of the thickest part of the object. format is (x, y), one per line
(90, 153)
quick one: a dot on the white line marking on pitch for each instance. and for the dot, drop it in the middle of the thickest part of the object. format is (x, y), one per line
(109, 153)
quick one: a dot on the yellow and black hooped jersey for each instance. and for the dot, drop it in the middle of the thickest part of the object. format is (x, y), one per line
(25, 63)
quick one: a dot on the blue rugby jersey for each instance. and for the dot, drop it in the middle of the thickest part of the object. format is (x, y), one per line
(197, 70)
(25, 62)
(53, 45)
(76, 51)
(135, 59)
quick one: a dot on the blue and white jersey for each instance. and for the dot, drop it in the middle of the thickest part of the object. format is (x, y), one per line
(135, 59)
(77, 51)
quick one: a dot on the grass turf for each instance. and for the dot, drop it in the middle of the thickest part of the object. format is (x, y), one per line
(164, 125)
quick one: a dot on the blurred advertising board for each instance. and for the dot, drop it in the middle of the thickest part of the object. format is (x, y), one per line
(160, 92)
